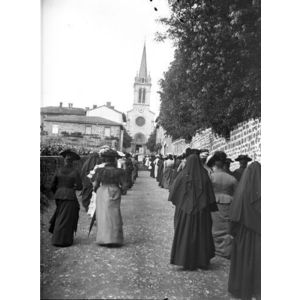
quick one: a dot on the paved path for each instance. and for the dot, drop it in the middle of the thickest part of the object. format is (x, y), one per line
(138, 270)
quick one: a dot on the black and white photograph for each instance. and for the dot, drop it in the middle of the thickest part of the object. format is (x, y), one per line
(133, 137)
(150, 149)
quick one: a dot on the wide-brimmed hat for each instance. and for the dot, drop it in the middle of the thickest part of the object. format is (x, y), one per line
(217, 156)
(70, 152)
(243, 157)
(109, 153)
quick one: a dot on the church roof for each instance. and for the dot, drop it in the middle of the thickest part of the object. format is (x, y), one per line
(143, 68)
(81, 120)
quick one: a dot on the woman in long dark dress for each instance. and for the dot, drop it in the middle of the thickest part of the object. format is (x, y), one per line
(109, 183)
(245, 214)
(193, 196)
(160, 166)
(63, 223)
(87, 190)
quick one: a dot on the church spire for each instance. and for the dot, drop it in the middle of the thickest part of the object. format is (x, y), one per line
(143, 67)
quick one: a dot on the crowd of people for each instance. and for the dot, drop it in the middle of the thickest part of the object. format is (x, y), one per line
(105, 176)
(217, 212)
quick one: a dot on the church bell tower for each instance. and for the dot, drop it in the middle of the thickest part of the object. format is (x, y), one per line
(140, 120)
(142, 84)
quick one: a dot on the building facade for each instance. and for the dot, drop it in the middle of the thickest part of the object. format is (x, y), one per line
(106, 111)
(83, 126)
(140, 119)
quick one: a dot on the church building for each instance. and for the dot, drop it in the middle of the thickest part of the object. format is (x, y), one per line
(140, 119)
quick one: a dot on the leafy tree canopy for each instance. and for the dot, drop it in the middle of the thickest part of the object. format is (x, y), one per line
(214, 80)
(151, 143)
(127, 139)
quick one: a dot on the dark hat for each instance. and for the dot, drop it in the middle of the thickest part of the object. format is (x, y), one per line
(218, 156)
(229, 160)
(110, 153)
(70, 152)
(243, 157)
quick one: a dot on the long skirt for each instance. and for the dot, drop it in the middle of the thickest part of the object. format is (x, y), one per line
(245, 269)
(63, 223)
(173, 176)
(167, 178)
(221, 229)
(152, 170)
(159, 174)
(129, 182)
(108, 215)
(193, 244)
(155, 170)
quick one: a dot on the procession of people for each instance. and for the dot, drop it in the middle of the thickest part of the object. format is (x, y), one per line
(217, 211)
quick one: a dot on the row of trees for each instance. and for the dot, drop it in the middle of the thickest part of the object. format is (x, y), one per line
(214, 80)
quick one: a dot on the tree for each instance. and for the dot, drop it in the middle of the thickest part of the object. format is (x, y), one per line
(127, 139)
(214, 80)
(151, 143)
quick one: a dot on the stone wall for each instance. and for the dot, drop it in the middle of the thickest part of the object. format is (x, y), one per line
(244, 139)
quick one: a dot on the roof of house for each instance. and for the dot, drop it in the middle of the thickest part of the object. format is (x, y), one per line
(81, 120)
(107, 107)
(63, 110)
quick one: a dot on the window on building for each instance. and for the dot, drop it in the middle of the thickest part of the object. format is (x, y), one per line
(144, 95)
(55, 129)
(88, 130)
(140, 96)
(107, 132)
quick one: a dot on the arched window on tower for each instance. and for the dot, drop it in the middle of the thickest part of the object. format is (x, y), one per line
(144, 95)
(140, 95)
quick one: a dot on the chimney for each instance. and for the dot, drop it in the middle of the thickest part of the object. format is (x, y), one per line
(60, 104)
(94, 106)
(108, 104)
(70, 105)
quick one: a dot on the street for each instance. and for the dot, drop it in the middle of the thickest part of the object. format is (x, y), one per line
(138, 270)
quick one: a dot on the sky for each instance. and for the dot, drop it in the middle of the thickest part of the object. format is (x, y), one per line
(92, 50)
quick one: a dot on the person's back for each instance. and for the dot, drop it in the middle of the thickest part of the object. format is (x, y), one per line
(224, 186)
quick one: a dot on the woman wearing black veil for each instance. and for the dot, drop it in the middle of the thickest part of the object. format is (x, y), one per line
(194, 198)
(245, 215)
